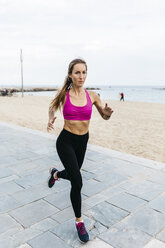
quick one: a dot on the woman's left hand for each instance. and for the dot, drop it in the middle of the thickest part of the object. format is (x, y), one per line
(107, 111)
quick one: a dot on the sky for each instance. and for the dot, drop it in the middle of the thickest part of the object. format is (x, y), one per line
(122, 41)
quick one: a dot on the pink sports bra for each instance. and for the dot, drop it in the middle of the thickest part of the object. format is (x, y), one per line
(77, 113)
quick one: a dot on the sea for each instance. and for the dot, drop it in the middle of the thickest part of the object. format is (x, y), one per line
(131, 93)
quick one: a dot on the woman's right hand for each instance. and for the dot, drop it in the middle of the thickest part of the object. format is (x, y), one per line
(50, 124)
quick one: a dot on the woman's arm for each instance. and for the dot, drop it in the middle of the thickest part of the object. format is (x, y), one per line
(51, 120)
(106, 111)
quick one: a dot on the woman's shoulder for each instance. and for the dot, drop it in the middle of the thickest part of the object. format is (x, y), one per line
(93, 95)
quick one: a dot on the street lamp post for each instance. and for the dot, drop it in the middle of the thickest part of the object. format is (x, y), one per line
(21, 59)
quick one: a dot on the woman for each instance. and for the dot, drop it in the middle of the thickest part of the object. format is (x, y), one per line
(71, 144)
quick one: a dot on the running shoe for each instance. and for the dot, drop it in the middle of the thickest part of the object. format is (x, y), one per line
(52, 180)
(82, 232)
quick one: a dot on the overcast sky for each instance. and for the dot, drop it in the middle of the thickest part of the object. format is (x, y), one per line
(122, 41)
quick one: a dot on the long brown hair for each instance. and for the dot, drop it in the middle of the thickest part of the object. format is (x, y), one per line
(58, 101)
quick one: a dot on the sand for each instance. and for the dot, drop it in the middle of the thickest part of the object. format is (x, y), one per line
(134, 128)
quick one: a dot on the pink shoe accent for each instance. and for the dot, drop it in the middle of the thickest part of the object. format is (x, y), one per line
(81, 227)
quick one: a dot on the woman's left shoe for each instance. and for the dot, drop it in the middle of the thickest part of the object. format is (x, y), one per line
(82, 232)
(52, 180)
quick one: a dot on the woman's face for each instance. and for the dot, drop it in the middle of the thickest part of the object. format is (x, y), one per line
(78, 75)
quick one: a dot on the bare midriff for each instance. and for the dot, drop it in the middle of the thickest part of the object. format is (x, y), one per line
(76, 127)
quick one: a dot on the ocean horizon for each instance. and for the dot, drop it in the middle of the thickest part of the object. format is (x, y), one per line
(131, 93)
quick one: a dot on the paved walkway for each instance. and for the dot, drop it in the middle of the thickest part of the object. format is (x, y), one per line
(123, 196)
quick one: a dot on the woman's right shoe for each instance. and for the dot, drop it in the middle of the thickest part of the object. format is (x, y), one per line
(82, 232)
(52, 180)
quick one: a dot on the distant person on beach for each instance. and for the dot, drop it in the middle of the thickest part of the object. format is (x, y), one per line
(122, 96)
(4, 92)
(76, 103)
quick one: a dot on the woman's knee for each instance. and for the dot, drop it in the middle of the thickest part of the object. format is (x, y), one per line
(77, 183)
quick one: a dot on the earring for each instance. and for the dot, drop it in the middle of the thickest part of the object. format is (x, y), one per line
(69, 79)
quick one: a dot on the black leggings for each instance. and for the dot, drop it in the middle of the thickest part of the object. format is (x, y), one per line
(71, 149)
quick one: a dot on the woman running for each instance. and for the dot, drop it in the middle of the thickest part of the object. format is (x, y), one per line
(76, 103)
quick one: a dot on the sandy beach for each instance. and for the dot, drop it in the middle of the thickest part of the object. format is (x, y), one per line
(134, 128)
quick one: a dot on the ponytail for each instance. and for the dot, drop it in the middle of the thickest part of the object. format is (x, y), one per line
(58, 101)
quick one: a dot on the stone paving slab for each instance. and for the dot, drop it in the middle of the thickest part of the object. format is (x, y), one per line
(8, 203)
(33, 212)
(106, 214)
(97, 243)
(155, 244)
(24, 246)
(92, 187)
(31, 194)
(125, 236)
(127, 202)
(158, 203)
(147, 220)
(146, 190)
(47, 240)
(7, 222)
(10, 188)
(55, 199)
(123, 205)
(161, 235)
